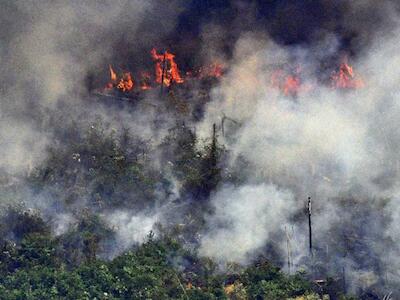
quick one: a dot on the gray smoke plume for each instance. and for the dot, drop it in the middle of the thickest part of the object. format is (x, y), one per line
(338, 146)
(47, 50)
(244, 219)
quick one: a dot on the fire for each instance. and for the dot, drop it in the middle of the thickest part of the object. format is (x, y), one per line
(113, 75)
(126, 83)
(288, 81)
(166, 71)
(345, 78)
(113, 78)
(166, 68)
(289, 85)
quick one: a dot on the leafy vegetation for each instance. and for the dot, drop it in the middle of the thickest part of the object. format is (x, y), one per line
(101, 170)
(34, 269)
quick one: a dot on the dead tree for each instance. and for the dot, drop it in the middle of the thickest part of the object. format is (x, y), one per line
(310, 226)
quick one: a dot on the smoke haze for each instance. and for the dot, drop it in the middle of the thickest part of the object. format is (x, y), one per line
(338, 146)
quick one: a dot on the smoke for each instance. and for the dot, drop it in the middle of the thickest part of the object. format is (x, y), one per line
(49, 48)
(243, 220)
(21, 146)
(339, 147)
(131, 228)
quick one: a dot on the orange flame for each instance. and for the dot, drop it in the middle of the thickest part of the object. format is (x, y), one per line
(288, 82)
(345, 78)
(113, 75)
(113, 78)
(289, 85)
(165, 63)
(166, 70)
(126, 83)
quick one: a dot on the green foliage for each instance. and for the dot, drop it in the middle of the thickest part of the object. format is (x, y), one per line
(197, 169)
(104, 168)
(20, 223)
(268, 282)
(101, 170)
(36, 250)
(158, 269)
(86, 239)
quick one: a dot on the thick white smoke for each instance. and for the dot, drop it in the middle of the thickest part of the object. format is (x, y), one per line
(131, 228)
(324, 143)
(47, 49)
(244, 219)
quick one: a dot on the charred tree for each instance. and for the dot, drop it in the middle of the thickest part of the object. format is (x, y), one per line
(310, 227)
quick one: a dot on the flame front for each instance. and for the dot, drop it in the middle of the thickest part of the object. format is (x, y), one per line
(345, 78)
(166, 69)
(289, 85)
(126, 83)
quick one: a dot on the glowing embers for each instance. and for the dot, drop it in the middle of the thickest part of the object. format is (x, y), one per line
(344, 78)
(166, 69)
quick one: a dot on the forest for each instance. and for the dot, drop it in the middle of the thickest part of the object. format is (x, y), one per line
(90, 172)
(198, 149)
